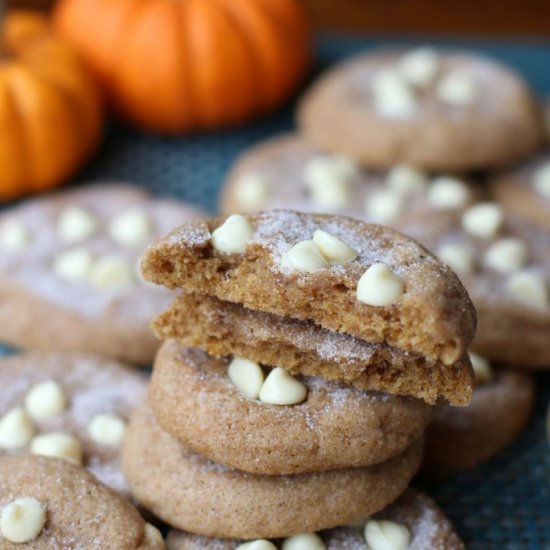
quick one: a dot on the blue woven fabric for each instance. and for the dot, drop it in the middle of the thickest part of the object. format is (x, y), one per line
(504, 504)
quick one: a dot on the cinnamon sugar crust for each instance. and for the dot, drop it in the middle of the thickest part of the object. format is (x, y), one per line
(503, 123)
(301, 347)
(80, 511)
(91, 385)
(194, 494)
(335, 427)
(427, 524)
(434, 317)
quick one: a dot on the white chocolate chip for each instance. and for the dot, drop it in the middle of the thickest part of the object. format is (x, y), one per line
(111, 272)
(153, 538)
(233, 235)
(73, 265)
(16, 429)
(45, 399)
(406, 179)
(419, 66)
(281, 388)
(482, 368)
(541, 180)
(260, 544)
(107, 429)
(393, 97)
(335, 251)
(482, 220)
(251, 192)
(379, 286)
(304, 541)
(529, 288)
(328, 180)
(386, 535)
(58, 445)
(304, 256)
(247, 376)
(131, 227)
(22, 520)
(14, 235)
(446, 192)
(384, 205)
(75, 224)
(460, 257)
(506, 255)
(458, 88)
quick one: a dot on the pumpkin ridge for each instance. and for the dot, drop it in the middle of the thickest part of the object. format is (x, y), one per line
(16, 117)
(26, 149)
(242, 34)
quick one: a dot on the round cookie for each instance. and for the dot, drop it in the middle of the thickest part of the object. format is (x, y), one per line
(525, 191)
(427, 525)
(50, 503)
(504, 263)
(194, 494)
(85, 396)
(437, 110)
(69, 274)
(432, 211)
(462, 438)
(289, 172)
(336, 427)
(426, 311)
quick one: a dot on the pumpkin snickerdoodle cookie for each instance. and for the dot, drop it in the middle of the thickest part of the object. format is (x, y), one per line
(69, 277)
(289, 172)
(337, 426)
(462, 438)
(413, 519)
(437, 110)
(371, 283)
(49, 503)
(302, 347)
(194, 494)
(71, 406)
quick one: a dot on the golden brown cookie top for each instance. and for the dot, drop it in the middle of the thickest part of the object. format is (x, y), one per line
(438, 110)
(368, 281)
(79, 249)
(426, 525)
(71, 405)
(50, 503)
(289, 172)
(525, 190)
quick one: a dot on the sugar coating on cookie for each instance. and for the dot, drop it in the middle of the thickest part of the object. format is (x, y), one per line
(50, 503)
(422, 107)
(501, 406)
(261, 279)
(70, 257)
(427, 525)
(218, 499)
(224, 329)
(194, 397)
(69, 406)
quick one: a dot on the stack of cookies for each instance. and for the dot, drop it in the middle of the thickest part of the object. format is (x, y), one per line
(422, 140)
(301, 366)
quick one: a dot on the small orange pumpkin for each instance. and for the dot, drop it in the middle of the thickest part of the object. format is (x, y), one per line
(178, 65)
(50, 111)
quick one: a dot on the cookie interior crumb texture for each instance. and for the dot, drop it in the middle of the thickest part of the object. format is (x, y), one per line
(433, 317)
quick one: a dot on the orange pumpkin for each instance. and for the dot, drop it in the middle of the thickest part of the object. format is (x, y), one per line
(178, 65)
(50, 112)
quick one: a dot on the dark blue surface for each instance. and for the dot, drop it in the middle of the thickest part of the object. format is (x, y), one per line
(504, 504)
